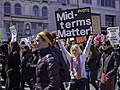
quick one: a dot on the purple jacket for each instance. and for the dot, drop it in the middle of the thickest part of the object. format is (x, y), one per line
(47, 71)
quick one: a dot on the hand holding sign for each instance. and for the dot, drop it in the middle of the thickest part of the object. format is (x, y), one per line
(74, 22)
(13, 33)
(113, 35)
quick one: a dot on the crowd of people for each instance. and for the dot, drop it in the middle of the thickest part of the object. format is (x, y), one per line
(50, 63)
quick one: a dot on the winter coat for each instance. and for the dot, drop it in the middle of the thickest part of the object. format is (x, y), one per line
(25, 61)
(92, 61)
(118, 79)
(64, 65)
(109, 62)
(47, 71)
(109, 70)
(13, 70)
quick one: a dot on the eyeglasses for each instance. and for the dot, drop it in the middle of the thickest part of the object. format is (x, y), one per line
(104, 44)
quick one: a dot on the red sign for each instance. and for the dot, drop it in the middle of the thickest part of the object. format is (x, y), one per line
(81, 39)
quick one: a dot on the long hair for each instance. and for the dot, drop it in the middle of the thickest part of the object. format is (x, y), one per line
(79, 51)
(15, 46)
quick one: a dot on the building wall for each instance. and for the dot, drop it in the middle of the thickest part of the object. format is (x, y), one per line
(53, 5)
(0, 13)
(97, 9)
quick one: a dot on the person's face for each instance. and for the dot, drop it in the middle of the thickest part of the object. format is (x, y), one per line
(96, 42)
(74, 51)
(39, 43)
(104, 46)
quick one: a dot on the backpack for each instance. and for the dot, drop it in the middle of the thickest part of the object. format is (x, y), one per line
(64, 66)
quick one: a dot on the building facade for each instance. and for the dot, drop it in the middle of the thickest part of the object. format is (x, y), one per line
(33, 16)
(0, 14)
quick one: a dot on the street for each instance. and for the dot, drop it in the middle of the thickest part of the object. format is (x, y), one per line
(27, 87)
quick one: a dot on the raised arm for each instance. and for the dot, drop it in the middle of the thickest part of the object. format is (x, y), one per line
(64, 51)
(87, 47)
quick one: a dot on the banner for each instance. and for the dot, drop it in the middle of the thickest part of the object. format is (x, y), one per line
(28, 39)
(13, 33)
(3, 34)
(74, 22)
(113, 35)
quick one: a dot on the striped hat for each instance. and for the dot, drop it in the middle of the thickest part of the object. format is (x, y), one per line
(47, 37)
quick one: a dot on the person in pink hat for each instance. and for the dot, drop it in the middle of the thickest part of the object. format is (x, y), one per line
(97, 40)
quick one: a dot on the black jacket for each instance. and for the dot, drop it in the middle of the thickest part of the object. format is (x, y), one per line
(13, 70)
(92, 61)
(64, 65)
(109, 62)
(25, 61)
(47, 71)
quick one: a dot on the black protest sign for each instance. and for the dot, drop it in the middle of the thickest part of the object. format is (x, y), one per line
(74, 22)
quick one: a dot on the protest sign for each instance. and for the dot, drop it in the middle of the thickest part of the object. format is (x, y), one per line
(13, 33)
(74, 22)
(113, 35)
(81, 39)
(28, 39)
(96, 24)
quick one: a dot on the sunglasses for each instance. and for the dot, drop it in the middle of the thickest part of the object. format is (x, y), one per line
(104, 44)
(74, 50)
(37, 40)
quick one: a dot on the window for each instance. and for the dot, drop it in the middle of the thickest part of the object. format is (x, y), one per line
(45, 12)
(113, 3)
(18, 9)
(110, 21)
(68, 1)
(102, 3)
(107, 3)
(27, 10)
(33, 25)
(59, 1)
(98, 2)
(7, 8)
(7, 25)
(45, 26)
(63, 1)
(36, 10)
(19, 26)
(87, 1)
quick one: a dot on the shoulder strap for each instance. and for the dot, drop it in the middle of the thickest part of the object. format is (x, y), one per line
(78, 76)
(71, 63)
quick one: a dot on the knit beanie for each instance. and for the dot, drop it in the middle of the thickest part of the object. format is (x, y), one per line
(47, 37)
(97, 38)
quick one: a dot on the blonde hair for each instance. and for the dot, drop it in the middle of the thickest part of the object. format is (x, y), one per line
(77, 47)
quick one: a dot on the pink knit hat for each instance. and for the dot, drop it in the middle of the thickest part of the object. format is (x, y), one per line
(98, 38)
